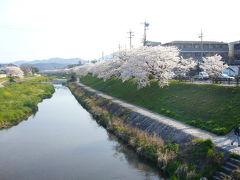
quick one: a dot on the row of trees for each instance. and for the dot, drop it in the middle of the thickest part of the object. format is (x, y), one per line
(145, 63)
(16, 71)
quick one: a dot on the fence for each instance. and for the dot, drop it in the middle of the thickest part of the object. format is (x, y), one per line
(233, 82)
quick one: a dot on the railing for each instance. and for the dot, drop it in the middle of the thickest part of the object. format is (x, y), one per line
(232, 82)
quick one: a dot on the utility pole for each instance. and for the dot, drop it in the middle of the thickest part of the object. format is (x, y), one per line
(130, 38)
(102, 55)
(145, 24)
(201, 37)
(119, 47)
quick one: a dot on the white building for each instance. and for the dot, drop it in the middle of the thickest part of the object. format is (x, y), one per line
(2, 74)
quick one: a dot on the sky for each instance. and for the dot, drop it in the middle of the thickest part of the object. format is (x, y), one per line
(42, 29)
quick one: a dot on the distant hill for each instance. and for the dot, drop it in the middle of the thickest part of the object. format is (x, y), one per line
(53, 60)
(51, 64)
(47, 66)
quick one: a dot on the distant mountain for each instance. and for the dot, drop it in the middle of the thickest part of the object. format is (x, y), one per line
(47, 66)
(51, 64)
(53, 60)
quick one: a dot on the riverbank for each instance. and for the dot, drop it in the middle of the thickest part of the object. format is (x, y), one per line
(62, 141)
(19, 100)
(210, 107)
(191, 160)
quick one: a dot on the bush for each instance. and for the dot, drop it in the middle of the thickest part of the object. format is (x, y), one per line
(19, 100)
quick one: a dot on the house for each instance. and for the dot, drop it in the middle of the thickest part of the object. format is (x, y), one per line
(152, 43)
(2, 74)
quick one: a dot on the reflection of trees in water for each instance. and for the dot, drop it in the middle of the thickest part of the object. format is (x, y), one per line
(123, 151)
(34, 113)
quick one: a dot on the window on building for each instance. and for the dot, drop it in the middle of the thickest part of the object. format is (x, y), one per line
(206, 46)
(237, 46)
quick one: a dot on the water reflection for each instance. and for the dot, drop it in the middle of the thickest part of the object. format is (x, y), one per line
(123, 152)
(62, 141)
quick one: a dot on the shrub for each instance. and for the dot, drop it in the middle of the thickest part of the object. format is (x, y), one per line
(19, 100)
(182, 171)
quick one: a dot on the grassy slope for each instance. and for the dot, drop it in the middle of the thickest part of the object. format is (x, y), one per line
(197, 159)
(19, 100)
(210, 107)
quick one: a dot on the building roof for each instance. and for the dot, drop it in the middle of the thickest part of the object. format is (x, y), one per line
(235, 42)
(195, 42)
(152, 43)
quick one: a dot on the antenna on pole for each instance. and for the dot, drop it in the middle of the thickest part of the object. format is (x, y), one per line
(201, 37)
(130, 38)
(145, 24)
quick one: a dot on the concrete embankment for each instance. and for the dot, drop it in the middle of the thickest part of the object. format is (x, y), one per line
(198, 157)
(164, 141)
(166, 128)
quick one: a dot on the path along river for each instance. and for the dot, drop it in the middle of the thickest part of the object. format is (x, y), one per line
(62, 141)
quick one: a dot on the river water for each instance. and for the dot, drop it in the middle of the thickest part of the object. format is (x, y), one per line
(63, 142)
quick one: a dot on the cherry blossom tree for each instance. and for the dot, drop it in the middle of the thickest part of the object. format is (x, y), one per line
(162, 63)
(28, 70)
(111, 67)
(213, 65)
(156, 61)
(14, 71)
(81, 70)
(183, 67)
(107, 69)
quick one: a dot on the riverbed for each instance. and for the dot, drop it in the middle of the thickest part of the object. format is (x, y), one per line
(63, 142)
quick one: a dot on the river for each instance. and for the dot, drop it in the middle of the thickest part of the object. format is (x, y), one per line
(63, 142)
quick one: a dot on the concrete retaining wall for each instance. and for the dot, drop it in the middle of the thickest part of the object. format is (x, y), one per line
(166, 128)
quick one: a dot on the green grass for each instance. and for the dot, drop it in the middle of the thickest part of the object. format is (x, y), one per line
(211, 107)
(19, 100)
(193, 160)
